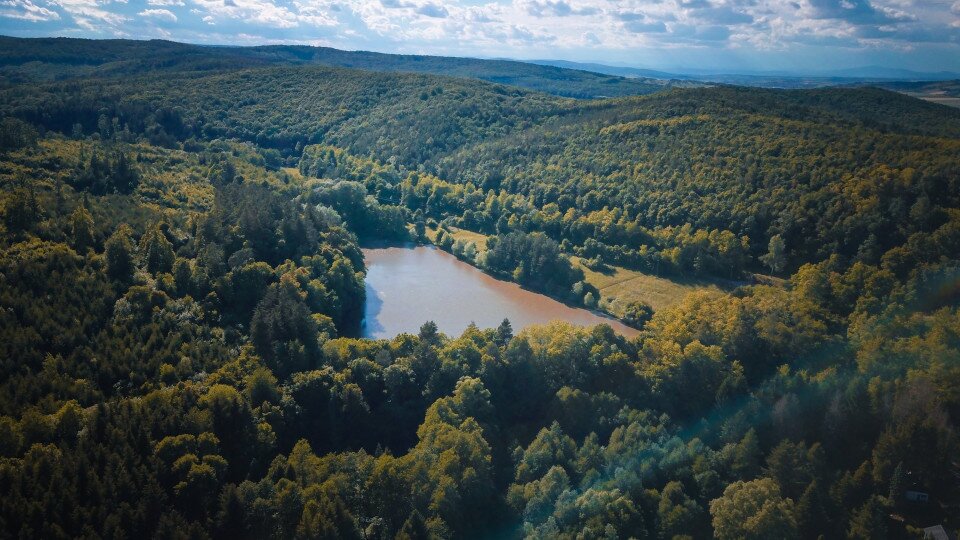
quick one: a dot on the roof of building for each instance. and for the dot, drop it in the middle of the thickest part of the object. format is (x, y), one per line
(936, 532)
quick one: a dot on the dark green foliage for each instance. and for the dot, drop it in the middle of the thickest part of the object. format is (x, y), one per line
(636, 314)
(119, 251)
(107, 174)
(81, 228)
(282, 329)
(532, 259)
(22, 212)
(157, 251)
(61, 58)
(170, 364)
(15, 134)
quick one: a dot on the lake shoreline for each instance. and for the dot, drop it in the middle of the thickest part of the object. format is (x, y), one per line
(493, 298)
(383, 244)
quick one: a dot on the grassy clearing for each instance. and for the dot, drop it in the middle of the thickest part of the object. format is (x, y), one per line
(623, 285)
(294, 173)
(462, 234)
(620, 284)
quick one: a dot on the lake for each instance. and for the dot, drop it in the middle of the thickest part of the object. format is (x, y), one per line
(407, 286)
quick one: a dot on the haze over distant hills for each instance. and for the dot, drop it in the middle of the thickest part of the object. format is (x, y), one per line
(771, 79)
(23, 60)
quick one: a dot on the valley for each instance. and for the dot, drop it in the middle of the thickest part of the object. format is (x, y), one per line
(208, 328)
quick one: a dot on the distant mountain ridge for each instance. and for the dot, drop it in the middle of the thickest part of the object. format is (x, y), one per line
(769, 79)
(37, 59)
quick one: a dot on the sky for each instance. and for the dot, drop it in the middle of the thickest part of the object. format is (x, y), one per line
(805, 36)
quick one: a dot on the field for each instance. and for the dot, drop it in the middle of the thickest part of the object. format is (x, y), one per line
(942, 100)
(623, 285)
(619, 285)
(462, 234)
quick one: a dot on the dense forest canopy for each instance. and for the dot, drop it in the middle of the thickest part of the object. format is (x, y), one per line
(181, 286)
(23, 60)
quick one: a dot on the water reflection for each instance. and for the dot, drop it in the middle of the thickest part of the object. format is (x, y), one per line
(407, 286)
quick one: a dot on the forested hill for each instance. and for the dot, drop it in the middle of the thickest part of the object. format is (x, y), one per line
(181, 281)
(23, 60)
(623, 173)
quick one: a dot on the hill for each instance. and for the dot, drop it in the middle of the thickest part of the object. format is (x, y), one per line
(940, 92)
(181, 284)
(23, 60)
(624, 173)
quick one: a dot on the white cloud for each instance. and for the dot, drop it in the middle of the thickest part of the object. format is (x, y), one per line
(256, 12)
(596, 30)
(160, 14)
(26, 10)
(90, 14)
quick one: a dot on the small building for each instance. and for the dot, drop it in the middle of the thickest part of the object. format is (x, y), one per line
(917, 496)
(936, 532)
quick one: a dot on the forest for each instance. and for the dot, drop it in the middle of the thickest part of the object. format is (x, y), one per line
(182, 285)
(23, 60)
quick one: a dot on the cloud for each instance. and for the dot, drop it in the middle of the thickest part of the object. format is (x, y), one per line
(26, 10)
(699, 33)
(641, 27)
(626, 31)
(255, 12)
(160, 14)
(723, 15)
(89, 14)
(433, 10)
(557, 8)
(856, 12)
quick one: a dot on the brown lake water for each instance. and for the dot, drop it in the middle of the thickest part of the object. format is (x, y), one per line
(407, 286)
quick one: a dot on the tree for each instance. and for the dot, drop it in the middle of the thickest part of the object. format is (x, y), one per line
(22, 211)
(261, 386)
(897, 483)
(232, 423)
(414, 528)
(813, 517)
(419, 229)
(776, 257)
(869, 521)
(793, 466)
(678, 514)
(637, 314)
(81, 229)
(753, 510)
(504, 332)
(429, 333)
(283, 330)
(119, 254)
(470, 251)
(157, 251)
(327, 518)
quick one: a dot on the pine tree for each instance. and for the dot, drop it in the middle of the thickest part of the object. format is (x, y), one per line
(157, 251)
(897, 483)
(414, 528)
(119, 254)
(81, 229)
(504, 332)
(869, 521)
